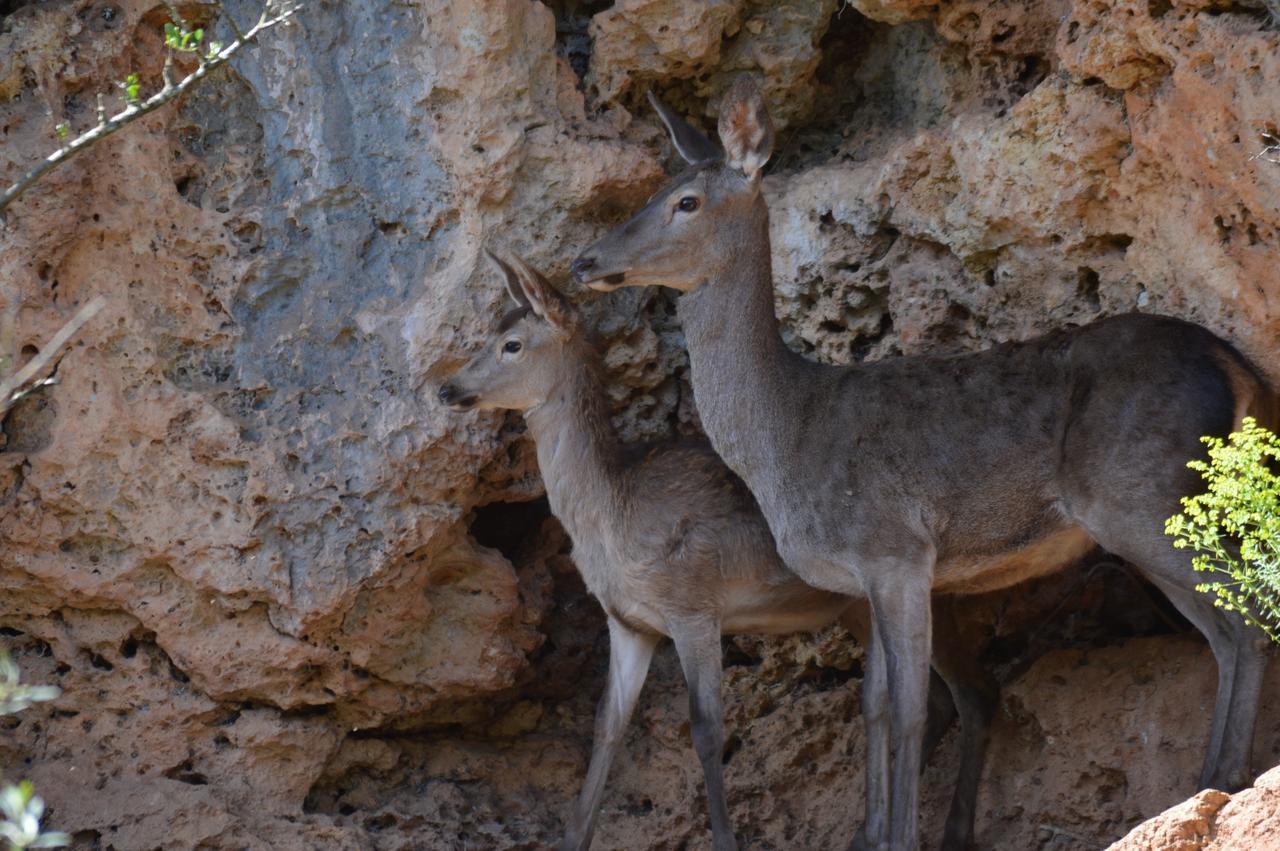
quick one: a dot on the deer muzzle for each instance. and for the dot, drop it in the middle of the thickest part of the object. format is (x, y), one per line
(586, 270)
(456, 398)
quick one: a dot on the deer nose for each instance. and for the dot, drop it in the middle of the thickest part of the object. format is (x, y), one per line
(582, 267)
(456, 398)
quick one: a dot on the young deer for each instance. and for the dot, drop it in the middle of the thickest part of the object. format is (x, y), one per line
(915, 475)
(670, 542)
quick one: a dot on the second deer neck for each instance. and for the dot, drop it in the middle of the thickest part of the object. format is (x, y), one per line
(578, 452)
(745, 380)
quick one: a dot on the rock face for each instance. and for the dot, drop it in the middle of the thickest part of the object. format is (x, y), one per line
(1214, 820)
(292, 602)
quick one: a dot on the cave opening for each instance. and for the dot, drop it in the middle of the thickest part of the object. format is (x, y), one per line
(508, 527)
(1101, 601)
(8, 7)
(573, 38)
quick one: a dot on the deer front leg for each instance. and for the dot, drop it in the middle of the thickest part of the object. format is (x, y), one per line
(942, 711)
(875, 718)
(902, 622)
(698, 645)
(629, 655)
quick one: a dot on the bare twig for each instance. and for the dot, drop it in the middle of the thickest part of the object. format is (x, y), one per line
(231, 22)
(275, 12)
(1270, 140)
(175, 15)
(1051, 832)
(14, 387)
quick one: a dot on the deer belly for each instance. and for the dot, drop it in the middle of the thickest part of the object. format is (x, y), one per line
(636, 615)
(979, 574)
(779, 609)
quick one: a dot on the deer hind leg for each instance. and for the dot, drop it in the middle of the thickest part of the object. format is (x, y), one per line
(1241, 654)
(1240, 658)
(1234, 770)
(698, 646)
(629, 655)
(976, 694)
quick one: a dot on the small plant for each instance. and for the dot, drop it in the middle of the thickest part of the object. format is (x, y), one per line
(179, 38)
(132, 87)
(20, 809)
(21, 825)
(14, 696)
(1235, 525)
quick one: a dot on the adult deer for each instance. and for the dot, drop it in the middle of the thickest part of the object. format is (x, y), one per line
(671, 543)
(915, 475)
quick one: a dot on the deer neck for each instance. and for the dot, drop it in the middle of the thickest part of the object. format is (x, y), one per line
(578, 452)
(745, 379)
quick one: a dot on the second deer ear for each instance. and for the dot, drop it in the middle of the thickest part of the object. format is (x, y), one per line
(746, 131)
(510, 278)
(545, 300)
(689, 141)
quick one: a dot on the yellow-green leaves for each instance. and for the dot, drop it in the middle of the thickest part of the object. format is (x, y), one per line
(1235, 525)
(132, 87)
(180, 39)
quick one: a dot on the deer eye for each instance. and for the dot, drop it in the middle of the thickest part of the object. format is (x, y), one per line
(511, 346)
(688, 204)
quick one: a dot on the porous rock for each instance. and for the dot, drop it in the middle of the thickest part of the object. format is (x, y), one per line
(292, 602)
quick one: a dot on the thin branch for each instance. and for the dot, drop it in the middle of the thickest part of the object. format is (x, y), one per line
(1270, 139)
(1270, 154)
(175, 15)
(11, 387)
(272, 14)
(231, 19)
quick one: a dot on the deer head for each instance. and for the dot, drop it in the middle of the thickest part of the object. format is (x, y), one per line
(524, 357)
(703, 216)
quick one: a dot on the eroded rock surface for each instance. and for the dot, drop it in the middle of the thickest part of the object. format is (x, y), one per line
(294, 603)
(1214, 820)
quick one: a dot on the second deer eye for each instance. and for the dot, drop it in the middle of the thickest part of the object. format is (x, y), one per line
(511, 346)
(688, 204)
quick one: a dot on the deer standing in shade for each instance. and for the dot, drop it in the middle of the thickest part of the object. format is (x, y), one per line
(672, 544)
(896, 479)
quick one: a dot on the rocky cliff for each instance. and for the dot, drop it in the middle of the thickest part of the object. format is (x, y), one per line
(293, 603)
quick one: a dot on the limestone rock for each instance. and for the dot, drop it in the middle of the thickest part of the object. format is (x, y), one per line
(285, 591)
(1214, 820)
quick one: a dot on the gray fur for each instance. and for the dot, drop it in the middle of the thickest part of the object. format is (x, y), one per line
(959, 474)
(668, 540)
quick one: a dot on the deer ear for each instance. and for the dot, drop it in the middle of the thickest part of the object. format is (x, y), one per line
(689, 141)
(509, 275)
(746, 130)
(545, 300)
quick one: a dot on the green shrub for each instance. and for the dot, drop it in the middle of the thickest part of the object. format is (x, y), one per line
(1235, 525)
